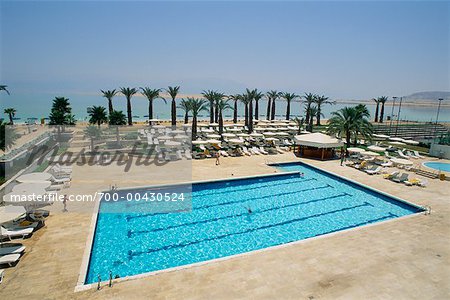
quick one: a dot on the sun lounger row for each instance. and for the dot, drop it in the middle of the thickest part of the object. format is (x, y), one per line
(404, 178)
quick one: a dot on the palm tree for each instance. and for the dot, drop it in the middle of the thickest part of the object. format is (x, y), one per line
(3, 88)
(299, 122)
(349, 121)
(217, 98)
(8, 136)
(274, 95)
(173, 92)
(128, 93)
(197, 106)
(151, 95)
(61, 114)
(93, 133)
(210, 96)
(117, 118)
(309, 98)
(320, 100)
(382, 100)
(235, 99)
(97, 115)
(312, 112)
(257, 96)
(377, 101)
(11, 112)
(245, 100)
(221, 105)
(289, 97)
(109, 94)
(271, 97)
(184, 105)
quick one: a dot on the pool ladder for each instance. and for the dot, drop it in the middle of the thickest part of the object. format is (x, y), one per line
(427, 210)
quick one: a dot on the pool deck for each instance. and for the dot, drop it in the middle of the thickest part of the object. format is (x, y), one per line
(406, 258)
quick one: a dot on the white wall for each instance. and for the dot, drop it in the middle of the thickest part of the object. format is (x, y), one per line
(441, 151)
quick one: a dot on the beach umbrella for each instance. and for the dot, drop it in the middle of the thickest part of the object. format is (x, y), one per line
(396, 139)
(177, 131)
(370, 153)
(228, 135)
(158, 126)
(213, 141)
(376, 148)
(236, 141)
(153, 120)
(235, 130)
(271, 139)
(268, 133)
(181, 137)
(213, 124)
(207, 130)
(381, 136)
(199, 142)
(229, 125)
(254, 134)
(397, 143)
(23, 188)
(172, 144)
(243, 135)
(9, 212)
(304, 132)
(202, 125)
(187, 125)
(259, 128)
(34, 177)
(283, 134)
(271, 128)
(401, 161)
(355, 150)
(411, 142)
(213, 136)
(292, 128)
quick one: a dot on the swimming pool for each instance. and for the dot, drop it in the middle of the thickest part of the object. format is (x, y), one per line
(284, 208)
(440, 166)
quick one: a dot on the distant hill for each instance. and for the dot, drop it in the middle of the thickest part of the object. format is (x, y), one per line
(428, 96)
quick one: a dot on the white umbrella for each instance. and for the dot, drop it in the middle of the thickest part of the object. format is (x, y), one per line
(154, 120)
(164, 137)
(213, 141)
(304, 132)
(243, 134)
(254, 134)
(401, 161)
(271, 128)
(202, 125)
(24, 188)
(207, 130)
(199, 142)
(181, 137)
(259, 128)
(235, 130)
(177, 131)
(9, 212)
(370, 153)
(376, 148)
(355, 150)
(187, 125)
(292, 128)
(228, 135)
(411, 142)
(268, 133)
(381, 136)
(283, 128)
(229, 125)
(34, 177)
(213, 124)
(397, 139)
(271, 139)
(213, 136)
(283, 134)
(158, 126)
(236, 141)
(397, 143)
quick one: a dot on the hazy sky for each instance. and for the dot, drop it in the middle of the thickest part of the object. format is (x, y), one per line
(341, 49)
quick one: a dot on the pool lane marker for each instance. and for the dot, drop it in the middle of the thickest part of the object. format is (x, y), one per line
(130, 232)
(182, 245)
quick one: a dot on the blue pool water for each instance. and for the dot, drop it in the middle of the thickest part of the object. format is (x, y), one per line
(438, 166)
(285, 208)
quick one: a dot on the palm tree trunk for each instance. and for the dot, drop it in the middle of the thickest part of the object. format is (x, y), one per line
(318, 115)
(150, 110)
(211, 111)
(11, 121)
(288, 110)
(273, 110)
(382, 113)
(376, 111)
(256, 109)
(308, 107)
(117, 134)
(174, 113)
(110, 106)
(194, 127)
(250, 116)
(347, 140)
(220, 122)
(216, 119)
(246, 115)
(268, 109)
(235, 113)
(92, 145)
(130, 117)
(186, 118)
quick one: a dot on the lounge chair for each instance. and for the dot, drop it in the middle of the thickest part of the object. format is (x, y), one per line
(279, 150)
(410, 154)
(422, 183)
(223, 153)
(21, 233)
(402, 178)
(23, 224)
(246, 152)
(2, 272)
(387, 164)
(416, 153)
(9, 259)
(261, 149)
(15, 249)
(391, 175)
(402, 155)
(255, 150)
(374, 171)
(287, 142)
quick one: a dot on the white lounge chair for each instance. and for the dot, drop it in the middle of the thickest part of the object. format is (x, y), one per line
(9, 259)
(255, 151)
(416, 153)
(374, 171)
(279, 150)
(21, 233)
(16, 249)
(2, 272)
(286, 142)
(224, 153)
(263, 151)
(410, 154)
(246, 152)
(402, 155)
(387, 154)
(387, 164)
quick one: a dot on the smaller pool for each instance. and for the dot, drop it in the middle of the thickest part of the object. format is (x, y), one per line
(440, 166)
